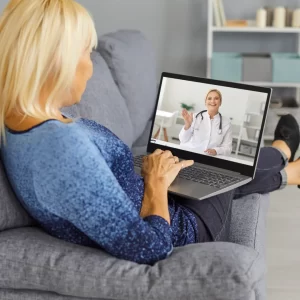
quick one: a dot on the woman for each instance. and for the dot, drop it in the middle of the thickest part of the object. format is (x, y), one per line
(76, 178)
(207, 131)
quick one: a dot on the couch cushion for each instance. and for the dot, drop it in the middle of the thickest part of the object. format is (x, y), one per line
(12, 214)
(140, 145)
(103, 103)
(199, 271)
(131, 60)
(10, 294)
(250, 229)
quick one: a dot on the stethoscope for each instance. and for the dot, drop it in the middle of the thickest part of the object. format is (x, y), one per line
(201, 114)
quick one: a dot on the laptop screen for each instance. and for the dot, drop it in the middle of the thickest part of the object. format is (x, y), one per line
(210, 118)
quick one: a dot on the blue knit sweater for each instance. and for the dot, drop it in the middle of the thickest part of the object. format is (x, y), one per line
(78, 181)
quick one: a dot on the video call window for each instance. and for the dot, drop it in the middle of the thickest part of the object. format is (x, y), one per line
(219, 121)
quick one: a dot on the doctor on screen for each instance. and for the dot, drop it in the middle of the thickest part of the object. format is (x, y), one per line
(207, 131)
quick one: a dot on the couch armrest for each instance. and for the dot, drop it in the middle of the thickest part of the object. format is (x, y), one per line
(248, 224)
(219, 271)
(248, 228)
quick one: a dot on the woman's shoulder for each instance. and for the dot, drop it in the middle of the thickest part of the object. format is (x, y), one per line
(84, 136)
(55, 139)
(51, 143)
(63, 144)
(61, 135)
(57, 131)
(46, 136)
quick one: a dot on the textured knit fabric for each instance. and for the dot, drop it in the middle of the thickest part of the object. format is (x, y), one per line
(78, 181)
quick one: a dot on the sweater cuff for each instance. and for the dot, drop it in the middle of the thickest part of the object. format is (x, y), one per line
(161, 225)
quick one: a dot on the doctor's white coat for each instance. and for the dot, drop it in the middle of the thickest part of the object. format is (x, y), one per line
(204, 134)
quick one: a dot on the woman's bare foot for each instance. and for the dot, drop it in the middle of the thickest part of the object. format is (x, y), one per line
(282, 145)
(293, 173)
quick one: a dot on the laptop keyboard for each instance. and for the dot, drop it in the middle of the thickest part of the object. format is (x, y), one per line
(202, 175)
(207, 177)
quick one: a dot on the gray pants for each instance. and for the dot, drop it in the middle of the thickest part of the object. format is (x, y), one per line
(213, 215)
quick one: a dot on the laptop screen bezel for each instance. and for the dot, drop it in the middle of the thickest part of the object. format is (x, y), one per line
(243, 169)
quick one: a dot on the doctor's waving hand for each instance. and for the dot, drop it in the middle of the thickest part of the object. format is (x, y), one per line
(207, 131)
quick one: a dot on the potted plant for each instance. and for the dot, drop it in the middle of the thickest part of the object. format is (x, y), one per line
(187, 107)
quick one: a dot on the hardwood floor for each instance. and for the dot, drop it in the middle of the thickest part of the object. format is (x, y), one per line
(283, 245)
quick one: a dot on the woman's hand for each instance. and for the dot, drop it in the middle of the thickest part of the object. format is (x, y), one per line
(159, 170)
(163, 167)
(188, 119)
(211, 152)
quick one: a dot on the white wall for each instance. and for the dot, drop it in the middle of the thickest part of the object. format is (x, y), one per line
(255, 106)
(164, 84)
(255, 101)
(233, 106)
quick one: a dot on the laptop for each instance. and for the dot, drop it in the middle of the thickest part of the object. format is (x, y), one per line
(243, 109)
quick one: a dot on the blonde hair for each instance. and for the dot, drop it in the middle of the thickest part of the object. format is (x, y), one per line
(40, 39)
(214, 90)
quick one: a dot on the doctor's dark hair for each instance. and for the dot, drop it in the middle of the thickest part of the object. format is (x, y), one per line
(216, 91)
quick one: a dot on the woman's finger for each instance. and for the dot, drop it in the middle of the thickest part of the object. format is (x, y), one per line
(185, 163)
(167, 154)
(157, 152)
(174, 159)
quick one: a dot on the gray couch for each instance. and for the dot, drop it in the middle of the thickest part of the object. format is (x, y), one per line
(36, 266)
